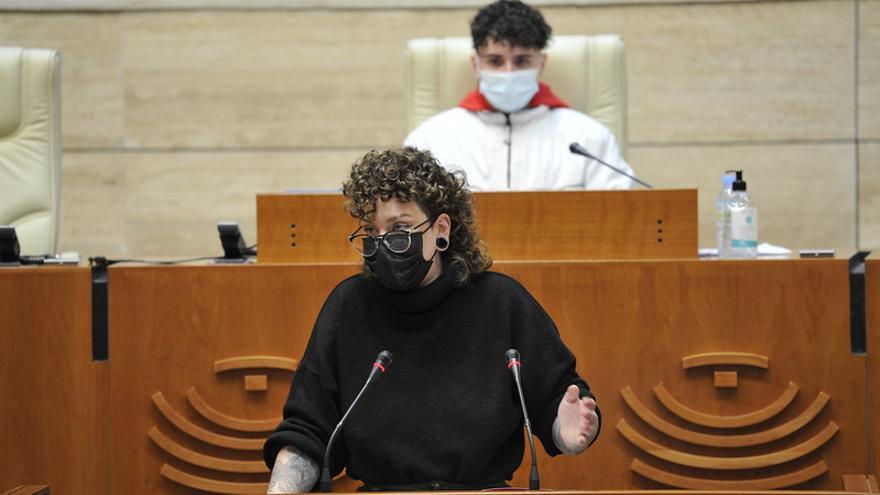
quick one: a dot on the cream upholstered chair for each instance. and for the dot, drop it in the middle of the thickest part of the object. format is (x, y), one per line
(586, 71)
(30, 146)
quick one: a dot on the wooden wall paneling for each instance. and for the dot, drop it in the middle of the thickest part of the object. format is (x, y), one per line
(576, 225)
(872, 276)
(176, 332)
(631, 323)
(304, 228)
(547, 225)
(55, 399)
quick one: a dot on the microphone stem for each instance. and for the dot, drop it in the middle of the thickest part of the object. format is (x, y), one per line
(612, 167)
(575, 148)
(325, 471)
(534, 480)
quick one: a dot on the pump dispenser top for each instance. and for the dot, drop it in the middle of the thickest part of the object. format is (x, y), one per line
(739, 184)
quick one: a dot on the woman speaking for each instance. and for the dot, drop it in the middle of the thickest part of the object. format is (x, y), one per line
(447, 414)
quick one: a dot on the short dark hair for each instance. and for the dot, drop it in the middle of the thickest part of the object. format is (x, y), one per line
(512, 22)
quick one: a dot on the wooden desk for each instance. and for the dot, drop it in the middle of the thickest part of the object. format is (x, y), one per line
(55, 420)
(629, 323)
(873, 363)
(173, 331)
(516, 226)
(28, 490)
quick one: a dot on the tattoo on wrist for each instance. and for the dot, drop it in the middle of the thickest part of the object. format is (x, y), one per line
(293, 472)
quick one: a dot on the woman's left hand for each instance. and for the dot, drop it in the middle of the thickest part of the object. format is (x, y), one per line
(578, 422)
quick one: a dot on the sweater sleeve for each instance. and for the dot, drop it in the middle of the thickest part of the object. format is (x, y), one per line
(312, 407)
(548, 368)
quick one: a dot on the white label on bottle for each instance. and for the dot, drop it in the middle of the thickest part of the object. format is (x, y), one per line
(744, 228)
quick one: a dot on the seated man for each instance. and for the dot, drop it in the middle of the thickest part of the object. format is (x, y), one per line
(513, 132)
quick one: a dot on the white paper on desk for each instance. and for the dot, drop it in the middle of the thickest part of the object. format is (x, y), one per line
(764, 249)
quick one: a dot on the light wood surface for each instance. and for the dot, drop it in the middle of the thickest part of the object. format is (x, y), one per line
(630, 323)
(716, 358)
(733, 491)
(54, 424)
(718, 421)
(769, 483)
(726, 379)
(860, 483)
(872, 365)
(199, 433)
(746, 440)
(185, 328)
(28, 490)
(197, 459)
(244, 362)
(727, 463)
(226, 421)
(553, 225)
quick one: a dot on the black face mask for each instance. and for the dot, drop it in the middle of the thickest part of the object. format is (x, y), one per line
(404, 271)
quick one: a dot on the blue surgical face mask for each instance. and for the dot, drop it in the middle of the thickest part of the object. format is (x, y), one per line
(509, 91)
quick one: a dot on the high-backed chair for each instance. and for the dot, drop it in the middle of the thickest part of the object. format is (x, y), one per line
(586, 71)
(30, 146)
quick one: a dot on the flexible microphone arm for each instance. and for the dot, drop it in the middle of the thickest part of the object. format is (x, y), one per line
(577, 149)
(513, 363)
(383, 361)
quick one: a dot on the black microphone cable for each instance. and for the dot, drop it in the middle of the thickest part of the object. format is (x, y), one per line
(513, 363)
(383, 361)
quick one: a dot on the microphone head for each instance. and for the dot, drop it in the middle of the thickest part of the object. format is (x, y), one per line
(577, 149)
(511, 355)
(384, 358)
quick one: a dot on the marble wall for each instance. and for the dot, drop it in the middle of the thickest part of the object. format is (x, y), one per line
(174, 120)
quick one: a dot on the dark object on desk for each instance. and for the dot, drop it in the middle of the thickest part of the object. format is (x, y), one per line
(816, 253)
(9, 248)
(100, 308)
(234, 247)
(858, 307)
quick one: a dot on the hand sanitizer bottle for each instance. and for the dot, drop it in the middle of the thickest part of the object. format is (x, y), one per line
(722, 215)
(743, 221)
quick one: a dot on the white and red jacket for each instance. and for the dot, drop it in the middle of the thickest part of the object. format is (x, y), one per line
(524, 150)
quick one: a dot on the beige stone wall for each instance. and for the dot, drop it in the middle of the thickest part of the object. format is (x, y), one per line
(174, 120)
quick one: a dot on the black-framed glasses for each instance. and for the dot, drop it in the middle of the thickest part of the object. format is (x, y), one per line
(397, 241)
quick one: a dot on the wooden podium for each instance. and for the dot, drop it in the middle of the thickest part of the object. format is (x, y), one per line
(648, 335)
(516, 226)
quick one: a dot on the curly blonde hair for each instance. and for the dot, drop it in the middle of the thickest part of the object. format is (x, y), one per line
(409, 174)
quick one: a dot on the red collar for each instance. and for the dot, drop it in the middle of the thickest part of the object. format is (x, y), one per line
(476, 102)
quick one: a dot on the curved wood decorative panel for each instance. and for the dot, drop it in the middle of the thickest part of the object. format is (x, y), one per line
(205, 461)
(725, 358)
(708, 440)
(726, 463)
(716, 421)
(202, 434)
(248, 362)
(210, 485)
(772, 483)
(226, 421)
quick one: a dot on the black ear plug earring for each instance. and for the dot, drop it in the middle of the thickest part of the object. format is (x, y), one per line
(442, 243)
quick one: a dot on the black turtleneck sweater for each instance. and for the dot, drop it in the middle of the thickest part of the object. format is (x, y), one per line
(446, 410)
